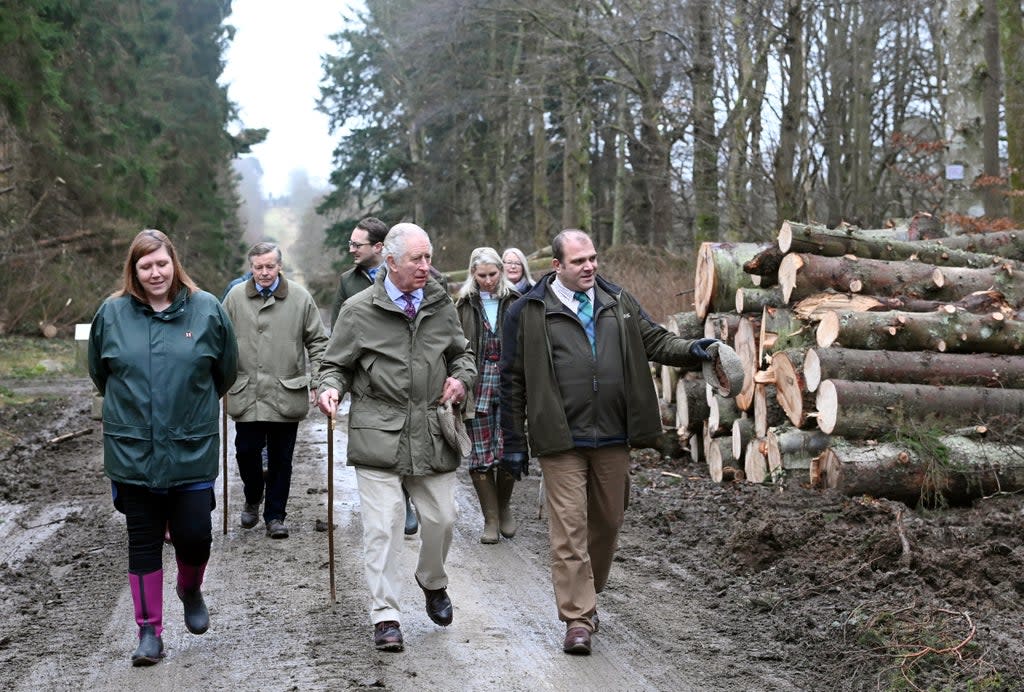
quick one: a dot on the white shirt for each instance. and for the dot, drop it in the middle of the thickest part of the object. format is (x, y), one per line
(567, 296)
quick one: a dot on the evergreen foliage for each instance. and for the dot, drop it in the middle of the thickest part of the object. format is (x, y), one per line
(111, 121)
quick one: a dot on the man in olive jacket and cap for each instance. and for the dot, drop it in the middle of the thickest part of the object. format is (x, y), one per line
(401, 356)
(278, 325)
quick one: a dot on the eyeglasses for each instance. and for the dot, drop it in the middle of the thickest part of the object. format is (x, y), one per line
(355, 246)
(512, 263)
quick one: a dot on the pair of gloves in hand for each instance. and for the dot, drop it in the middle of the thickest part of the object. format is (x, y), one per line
(699, 348)
(515, 464)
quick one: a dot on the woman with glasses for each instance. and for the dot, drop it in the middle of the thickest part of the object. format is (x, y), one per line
(482, 302)
(517, 269)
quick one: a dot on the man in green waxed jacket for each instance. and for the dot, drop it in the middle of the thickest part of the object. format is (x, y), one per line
(278, 325)
(401, 355)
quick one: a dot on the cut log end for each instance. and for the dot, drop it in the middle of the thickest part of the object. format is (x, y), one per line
(827, 403)
(828, 330)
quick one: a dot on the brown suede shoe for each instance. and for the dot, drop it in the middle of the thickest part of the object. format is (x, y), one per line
(387, 636)
(577, 641)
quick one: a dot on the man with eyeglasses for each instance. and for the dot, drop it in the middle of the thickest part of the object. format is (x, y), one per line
(366, 245)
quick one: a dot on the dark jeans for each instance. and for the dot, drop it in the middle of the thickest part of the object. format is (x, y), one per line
(279, 439)
(187, 512)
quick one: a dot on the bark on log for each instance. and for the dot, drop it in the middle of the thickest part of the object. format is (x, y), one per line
(790, 452)
(766, 262)
(767, 411)
(685, 324)
(917, 367)
(955, 332)
(803, 274)
(691, 406)
(722, 411)
(814, 307)
(755, 462)
(746, 348)
(742, 433)
(790, 389)
(955, 471)
(719, 273)
(780, 329)
(755, 300)
(721, 326)
(668, 414)
(721, 465)
(1009, 244)
(869, 410)
(918, 229)
(836, 243)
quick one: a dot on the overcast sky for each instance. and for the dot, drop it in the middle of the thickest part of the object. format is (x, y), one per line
(273, 73)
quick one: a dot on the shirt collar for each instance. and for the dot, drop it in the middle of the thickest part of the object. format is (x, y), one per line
(395, 293)
(567, 295)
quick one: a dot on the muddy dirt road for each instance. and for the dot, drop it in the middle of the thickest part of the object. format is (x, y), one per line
(714, 588)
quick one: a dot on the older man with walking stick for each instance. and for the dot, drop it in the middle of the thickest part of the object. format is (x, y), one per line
(402, 356)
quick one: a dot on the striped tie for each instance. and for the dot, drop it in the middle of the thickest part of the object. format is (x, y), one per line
(586, 315)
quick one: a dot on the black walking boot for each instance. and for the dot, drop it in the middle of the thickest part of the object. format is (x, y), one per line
(151, 647)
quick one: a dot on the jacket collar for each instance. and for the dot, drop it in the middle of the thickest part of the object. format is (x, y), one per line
(251, 291)
(601, 286)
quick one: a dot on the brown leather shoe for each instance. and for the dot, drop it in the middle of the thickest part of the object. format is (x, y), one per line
(439, 606)
(387, 636)
(577, 641)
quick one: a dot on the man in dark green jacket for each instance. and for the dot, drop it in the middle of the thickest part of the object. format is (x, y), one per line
(575, 375)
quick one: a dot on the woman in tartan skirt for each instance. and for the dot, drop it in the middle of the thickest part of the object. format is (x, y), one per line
(481, 303)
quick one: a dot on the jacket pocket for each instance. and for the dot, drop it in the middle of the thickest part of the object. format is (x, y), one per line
(127, 452)
(374, 432)
(293, 402)
(241, 397)
(443, 457)
(195, 447)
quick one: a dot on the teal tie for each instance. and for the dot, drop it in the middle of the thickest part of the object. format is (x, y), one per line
(586, 315)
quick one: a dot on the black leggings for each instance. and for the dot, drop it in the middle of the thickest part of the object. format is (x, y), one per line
(187, 512)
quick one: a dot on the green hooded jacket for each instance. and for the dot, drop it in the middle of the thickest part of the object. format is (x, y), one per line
(161, 375)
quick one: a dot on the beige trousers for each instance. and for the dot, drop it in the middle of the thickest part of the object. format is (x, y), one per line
(586, 494)
(382, 505)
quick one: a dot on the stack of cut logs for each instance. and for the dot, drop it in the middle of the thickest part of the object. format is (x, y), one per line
(881, 362)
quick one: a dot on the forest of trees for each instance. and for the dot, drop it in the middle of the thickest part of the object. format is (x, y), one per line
(660, 123)
(111, 120)
(669, 122)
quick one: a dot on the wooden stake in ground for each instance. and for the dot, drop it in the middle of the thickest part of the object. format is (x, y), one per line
(330, 503)
(224, 444)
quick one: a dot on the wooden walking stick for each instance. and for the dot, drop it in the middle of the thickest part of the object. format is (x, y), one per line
(224, 443)
(330, 502)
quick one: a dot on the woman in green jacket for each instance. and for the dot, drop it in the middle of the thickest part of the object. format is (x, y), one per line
(482, 302)
(162, 353)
